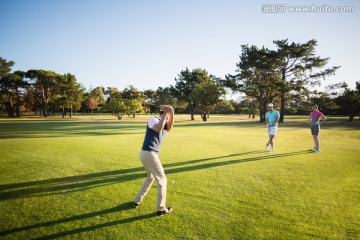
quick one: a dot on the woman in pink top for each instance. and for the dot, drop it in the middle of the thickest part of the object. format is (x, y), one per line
(315, 117)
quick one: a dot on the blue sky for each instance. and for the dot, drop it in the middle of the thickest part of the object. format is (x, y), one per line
(147, 43)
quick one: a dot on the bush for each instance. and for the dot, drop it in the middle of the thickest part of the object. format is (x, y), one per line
(244, 110)
(291, 110)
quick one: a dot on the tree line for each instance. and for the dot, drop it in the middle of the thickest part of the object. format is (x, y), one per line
(285, 76)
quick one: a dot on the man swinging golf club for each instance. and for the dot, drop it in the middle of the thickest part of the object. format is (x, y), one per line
(272, 118)
(156, 129)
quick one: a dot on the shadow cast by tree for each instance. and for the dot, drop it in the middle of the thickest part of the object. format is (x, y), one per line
(122, 207)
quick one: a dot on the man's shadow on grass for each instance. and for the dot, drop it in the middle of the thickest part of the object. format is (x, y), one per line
(87, 181)
(112, 177)
(68, 184)
(268, 156)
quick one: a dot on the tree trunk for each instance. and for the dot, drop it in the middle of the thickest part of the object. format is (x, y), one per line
(17, 110)
(192, 111)
(261, 114)
(9, 109)
(262, 110)
(204, 116)
(351, 116)
(118, 115)
(251, 110)
(18, 114)
(45, 110)
(63, 111)
(282, 107)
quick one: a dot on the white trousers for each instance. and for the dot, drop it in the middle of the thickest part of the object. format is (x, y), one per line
(151, 162)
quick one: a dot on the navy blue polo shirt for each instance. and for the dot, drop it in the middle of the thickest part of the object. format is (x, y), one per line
(153, 139)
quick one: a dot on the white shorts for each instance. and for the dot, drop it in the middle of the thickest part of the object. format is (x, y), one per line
(272, 130)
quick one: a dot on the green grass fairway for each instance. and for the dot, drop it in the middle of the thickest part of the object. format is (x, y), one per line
(77, 178)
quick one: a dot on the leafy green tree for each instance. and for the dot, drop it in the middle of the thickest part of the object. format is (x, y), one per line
(98, 94)
(185, 83)
(5, 67)
(165, 96)
(30, 102)
(71, 93)
(149, 103)
(44, 84)
(246, 110)
(79, 96)
(132, 92)
(252, 103)
(257, 77)
(247, 105)
(5, 86)
(180, 106)
(112, 92)
(133, 99)
(224, 107)
(132, 106)
(116, 106)
(150, 96)
(324, 100)
(349, 100)
(297, 64)
(207, 95)
(19, 85)
(12, 92)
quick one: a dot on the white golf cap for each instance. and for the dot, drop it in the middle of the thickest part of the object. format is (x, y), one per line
(270, 105)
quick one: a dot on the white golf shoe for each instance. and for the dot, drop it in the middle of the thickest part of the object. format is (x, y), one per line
(267, 147)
